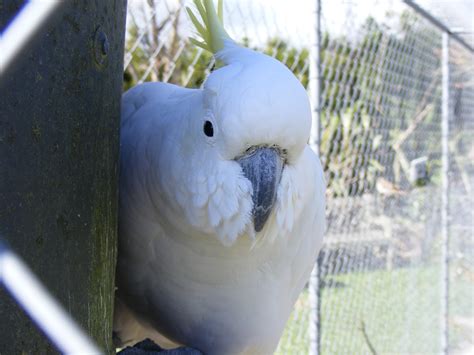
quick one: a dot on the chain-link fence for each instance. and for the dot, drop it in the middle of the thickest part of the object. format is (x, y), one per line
(381, 284)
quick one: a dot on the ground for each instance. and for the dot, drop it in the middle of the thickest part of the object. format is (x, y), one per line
(398, 310)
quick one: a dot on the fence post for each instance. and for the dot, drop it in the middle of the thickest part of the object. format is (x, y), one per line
(315, 97)
(445, 112)
(59, 147)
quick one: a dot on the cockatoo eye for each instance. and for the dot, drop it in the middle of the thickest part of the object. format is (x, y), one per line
(208, 129)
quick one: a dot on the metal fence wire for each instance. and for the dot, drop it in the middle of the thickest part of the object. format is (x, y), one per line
(380, 285)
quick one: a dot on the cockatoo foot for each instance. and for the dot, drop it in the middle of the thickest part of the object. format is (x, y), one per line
(148, 347)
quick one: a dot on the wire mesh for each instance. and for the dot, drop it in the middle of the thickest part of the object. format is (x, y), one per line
(380, 266)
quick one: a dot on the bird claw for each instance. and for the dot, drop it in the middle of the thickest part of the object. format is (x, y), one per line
(148, 347)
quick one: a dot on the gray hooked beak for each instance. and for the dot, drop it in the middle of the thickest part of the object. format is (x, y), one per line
(263, 167)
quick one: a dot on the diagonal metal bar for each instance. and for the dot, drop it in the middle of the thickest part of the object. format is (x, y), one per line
(454, 34)
(41, 307)
(22, 29)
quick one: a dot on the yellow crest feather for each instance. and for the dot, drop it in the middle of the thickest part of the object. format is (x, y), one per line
(211, 30)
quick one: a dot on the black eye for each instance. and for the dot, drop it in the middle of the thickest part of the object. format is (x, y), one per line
(208, 129)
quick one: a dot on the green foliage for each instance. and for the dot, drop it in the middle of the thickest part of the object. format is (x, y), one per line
(349, 137)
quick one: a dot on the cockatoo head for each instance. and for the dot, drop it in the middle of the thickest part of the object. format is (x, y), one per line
(256, 123)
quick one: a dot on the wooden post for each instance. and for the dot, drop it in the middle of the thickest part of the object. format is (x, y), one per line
(59, 149)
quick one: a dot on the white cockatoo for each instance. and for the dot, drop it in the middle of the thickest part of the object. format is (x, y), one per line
(222, 203)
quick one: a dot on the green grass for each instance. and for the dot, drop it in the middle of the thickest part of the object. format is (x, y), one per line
(461, 306)
(400, 310)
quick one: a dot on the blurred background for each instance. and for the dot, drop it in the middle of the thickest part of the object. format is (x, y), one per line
(381, 284)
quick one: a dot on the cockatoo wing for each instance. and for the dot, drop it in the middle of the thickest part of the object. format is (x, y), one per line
(148, 111)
